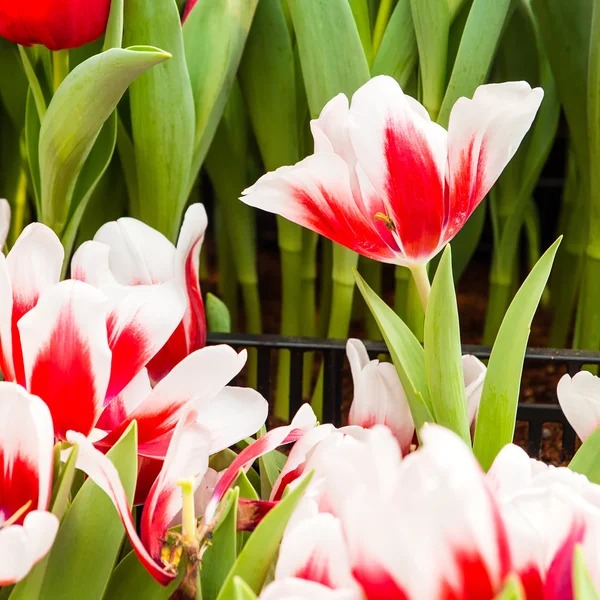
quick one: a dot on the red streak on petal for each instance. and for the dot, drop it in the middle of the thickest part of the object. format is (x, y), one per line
(19, 484)
(531, 579)
(377, 583)
(468, 189)
(414, 189)
(171, 354)
(195, 318)
(559, 581)
(63, 377)
(148, 471)
(475, 583)
(342, 224)
(315, 569)
(287, 479)
(130, 350)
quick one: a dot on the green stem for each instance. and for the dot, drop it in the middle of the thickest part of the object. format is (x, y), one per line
(326, 286)
(421, 279)
(60, 67)
(308, 319)
(383, 17)
(498, 303)
(402, 278)
(415, 315)
(587, 334)
(372, 273)
(34, 84)
(228, 281)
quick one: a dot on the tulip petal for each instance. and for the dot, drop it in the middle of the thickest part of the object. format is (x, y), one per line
(232, 415)
(303, 421)
(579, 398)
(26, 450)
(474, 374)
(316, 193)
(66, 354)
(299, 589)
(483, 135)
(4, 221)
(90, 263)
(6, 309)
(198, 378)
(138, 253)
(99, 468)
(315, 550)
(33, 265)
(22, 546)
(403, 154)
(379, 397)
(140, 321)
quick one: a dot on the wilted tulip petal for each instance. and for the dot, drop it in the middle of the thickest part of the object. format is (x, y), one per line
(579, 398)
(4, 221)
(66, 354)
(379, 397)
(57, 24)
(386, 181)
(32, 266)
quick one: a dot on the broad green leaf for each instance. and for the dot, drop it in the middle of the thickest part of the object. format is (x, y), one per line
(214, 37)
(443, 356)
(162, 115)
(475, 53)
(32, 140)
(88, 542)
(246, 488)
(513, 590)
(243, 590)
(221, 555)
(565, 30)
(217, 315)
(255, 560)
(96, 164)
(131, 580)
(587, 459)
(583, 585)
(431, 19)
(499, 399)
(31, 585)
(79, 109)
(330, 49)
(407, 354)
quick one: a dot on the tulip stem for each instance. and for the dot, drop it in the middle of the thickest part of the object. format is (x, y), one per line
(421, 279)
(60, 63)
(383, 17)
(188, 513)
(34, 85)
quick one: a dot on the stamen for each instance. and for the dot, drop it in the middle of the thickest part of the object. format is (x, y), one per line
(379, 216)
(17, 515)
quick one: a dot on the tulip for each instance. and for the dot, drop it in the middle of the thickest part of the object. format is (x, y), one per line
(547, 512)
(390, 184)
(4, 221)
(57, 24)
(27, 529)
(133, 254)
(379, 397)
(579, 398)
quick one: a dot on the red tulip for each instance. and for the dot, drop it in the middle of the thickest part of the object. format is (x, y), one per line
(390, 184)
(57, 24)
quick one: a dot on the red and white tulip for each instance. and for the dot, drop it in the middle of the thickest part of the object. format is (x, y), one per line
(389, 183)
(134, 254)
(579, 398)
(27, 529)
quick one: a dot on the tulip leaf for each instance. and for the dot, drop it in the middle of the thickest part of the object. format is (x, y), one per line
(443, 356)
(217, 315)
(88, 542)
(257, 556)
(30, 586)
(162, 116)
(331, 53)
(80, 107)
(398, 54)
(113, 37)
(221, 555)
(583, 585)
(500, 396)
(407, 354)
(587, 459)
(32, 139)
(214, 36)
(513, 590)
(131, 580)
(475, 52)
(247, 490)
(13, 83)
(91, 173)
(243, 590)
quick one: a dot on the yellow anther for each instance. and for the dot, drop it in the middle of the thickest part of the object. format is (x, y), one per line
(379, 216)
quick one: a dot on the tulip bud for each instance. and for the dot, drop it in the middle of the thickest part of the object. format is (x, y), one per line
(57, 24)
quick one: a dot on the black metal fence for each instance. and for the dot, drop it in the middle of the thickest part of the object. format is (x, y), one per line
(333, 352)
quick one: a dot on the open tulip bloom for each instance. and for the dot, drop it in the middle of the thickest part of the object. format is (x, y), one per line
(389, 183)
